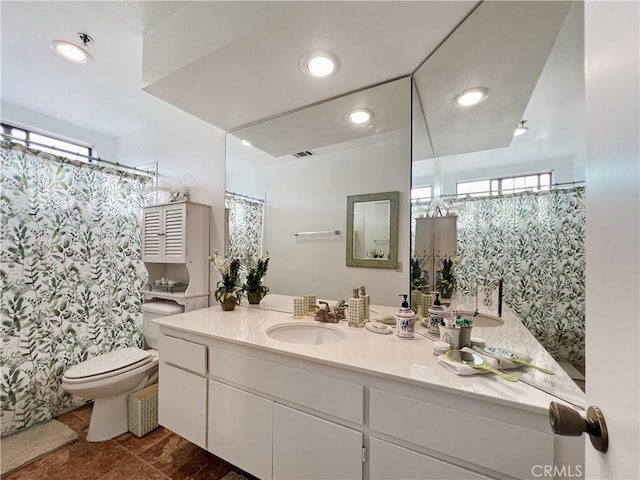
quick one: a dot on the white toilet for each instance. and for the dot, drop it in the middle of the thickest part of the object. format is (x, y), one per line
(108, 379)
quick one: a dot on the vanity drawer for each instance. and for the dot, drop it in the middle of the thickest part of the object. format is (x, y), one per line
(391, 462)
(184, 354)
(329, 395)
(495, 445)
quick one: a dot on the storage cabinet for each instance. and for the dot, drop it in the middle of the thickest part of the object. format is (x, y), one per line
(182, 403)
(164, 234)
(436, 236)
(240, 428)
(485, 442)
(305, 446)
(285, 418)
(182, 390)
(175, 246)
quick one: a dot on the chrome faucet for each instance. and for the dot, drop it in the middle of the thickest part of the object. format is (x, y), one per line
(323, 314)
(338, 310)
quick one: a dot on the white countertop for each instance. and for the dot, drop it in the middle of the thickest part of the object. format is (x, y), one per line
(389, 356)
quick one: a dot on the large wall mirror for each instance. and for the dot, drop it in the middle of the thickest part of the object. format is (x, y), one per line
(461, 161)
(372, 230)
(518, 201)
(303, 166)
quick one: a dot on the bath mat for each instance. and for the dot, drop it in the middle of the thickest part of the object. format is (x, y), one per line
(233, 476)
(32, 443)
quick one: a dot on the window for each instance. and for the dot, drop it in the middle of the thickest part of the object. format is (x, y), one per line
(421, 194)
(500, 186)
(47, 143)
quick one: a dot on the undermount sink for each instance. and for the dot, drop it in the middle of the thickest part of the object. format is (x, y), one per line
(305, 333)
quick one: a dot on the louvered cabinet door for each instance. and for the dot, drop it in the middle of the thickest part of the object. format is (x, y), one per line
(152, 239)
(174, 233)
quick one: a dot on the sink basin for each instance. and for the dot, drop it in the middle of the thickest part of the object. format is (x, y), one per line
(483, 320)
(305, 333)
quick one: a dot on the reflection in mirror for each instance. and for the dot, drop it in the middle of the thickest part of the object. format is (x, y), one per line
(520, 208)
(303, 165)
(372, 230)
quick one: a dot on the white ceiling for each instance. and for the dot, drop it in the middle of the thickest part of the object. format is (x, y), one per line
(253, 49)
(235, 62)
(103, 95)
(503, 46)
(257, 74)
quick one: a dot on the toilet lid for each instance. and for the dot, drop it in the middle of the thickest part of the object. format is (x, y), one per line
(123, 359)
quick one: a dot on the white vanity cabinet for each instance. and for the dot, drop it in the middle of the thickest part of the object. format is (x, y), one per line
(270, 440)
(279, 414)
(305, 446)
(392, 462)
(175, 246)
(182, 390)
(489, 439)
(240, 428)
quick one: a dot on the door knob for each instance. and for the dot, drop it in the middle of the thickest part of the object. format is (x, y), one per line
(567, 421)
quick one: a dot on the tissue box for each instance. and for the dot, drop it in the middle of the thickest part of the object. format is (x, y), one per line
(143, 410)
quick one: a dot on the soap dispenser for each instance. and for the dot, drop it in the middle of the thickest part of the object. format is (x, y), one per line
(405, 320)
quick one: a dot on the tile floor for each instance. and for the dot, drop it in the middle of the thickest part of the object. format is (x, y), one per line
(160, 455)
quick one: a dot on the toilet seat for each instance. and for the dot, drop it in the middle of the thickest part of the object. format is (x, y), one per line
(108, 365)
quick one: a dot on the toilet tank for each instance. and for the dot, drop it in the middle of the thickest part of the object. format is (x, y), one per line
(156, 309)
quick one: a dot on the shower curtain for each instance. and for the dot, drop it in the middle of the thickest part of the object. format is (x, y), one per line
(534, 242)
(246, 227)
(71, 274)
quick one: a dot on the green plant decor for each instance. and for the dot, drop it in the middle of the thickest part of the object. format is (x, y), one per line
(257, 271)
(227, 288)
(419, 274)
(446, 283)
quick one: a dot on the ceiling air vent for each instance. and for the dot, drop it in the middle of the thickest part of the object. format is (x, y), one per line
(305, 153)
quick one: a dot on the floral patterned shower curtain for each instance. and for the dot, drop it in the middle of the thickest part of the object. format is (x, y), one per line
(246, 226)
(71, 274)
(534, 242)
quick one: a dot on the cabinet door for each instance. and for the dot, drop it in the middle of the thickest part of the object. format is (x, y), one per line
(240, 427)
(182, 403)
(307, 447)
(152, 243)
(175, 233)
(391, 462)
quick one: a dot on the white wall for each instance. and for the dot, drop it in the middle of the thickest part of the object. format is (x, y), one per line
(22, 117)
(189, 152)
(310, 194)
(612, 49)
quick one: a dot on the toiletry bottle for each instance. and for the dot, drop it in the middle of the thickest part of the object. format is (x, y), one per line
(366, 301)
(405, 320)
(355, 312)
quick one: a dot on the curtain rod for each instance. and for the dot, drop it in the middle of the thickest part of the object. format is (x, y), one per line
(90, 160)
(260, 200)
(553, 186)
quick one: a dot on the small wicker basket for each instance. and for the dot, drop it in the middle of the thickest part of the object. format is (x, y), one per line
(143, 410)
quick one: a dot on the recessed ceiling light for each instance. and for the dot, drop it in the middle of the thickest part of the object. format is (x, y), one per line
(319, 64)
(472, 96)
(246, 143)
(521, 129)
(360, 116)
(71, 51)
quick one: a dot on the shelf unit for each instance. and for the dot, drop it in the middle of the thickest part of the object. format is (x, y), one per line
(175, 246)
